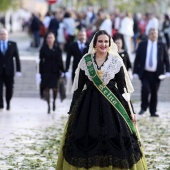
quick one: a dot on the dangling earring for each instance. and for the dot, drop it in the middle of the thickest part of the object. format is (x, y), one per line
(94, 49)
(108, 49)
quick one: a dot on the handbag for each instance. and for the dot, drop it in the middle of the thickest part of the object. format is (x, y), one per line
(66, 36)
(62, 88)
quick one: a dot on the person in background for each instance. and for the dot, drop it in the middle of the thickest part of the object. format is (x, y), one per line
(35, 30)
(142, 27)
(106, 24)
(135, 30)
(60, 33)
(47, 19)
(153, 22)
(150, 66)
(118, 39)
(126, 29)
(76, 50)
(166, 30)
(8, 53)
(69, 29)
(100, 133)
(50, 68)
(54, 23)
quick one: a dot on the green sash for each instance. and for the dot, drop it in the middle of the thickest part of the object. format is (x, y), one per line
(107, 93)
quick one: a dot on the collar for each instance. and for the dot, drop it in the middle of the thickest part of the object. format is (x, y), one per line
(150, 42)
(79, 42)
(5, 41)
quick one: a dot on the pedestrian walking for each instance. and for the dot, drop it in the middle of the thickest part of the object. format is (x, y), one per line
(135, 30)
(8, 53)
(150, 65)
(76, 50)
(54, 23)
(126, 29)
(153, 22)
(106, 24)
(100, 133)
(51, 68)
(69, 29)
(35, 30)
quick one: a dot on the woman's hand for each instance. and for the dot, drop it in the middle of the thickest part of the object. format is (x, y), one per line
(133, 118)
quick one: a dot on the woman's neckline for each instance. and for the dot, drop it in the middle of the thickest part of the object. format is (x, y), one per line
(99, 67)
(50, 47)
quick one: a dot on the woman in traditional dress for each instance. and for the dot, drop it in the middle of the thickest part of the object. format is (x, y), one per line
(100, 133)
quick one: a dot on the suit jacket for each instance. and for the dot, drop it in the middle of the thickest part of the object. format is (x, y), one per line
(54, 25)
(124, 55)
(75, 52)
(7, 60)
(162, 57)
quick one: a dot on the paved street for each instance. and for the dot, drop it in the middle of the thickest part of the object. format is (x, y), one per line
(30, 137)
(24, 126)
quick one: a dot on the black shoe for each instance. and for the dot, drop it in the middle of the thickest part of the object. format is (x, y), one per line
(141, 112)
(8, 107)
(154, 115)
(53, 106)
(48, 111)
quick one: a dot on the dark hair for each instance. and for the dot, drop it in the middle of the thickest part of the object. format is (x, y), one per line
(166, 17)
(46, 35)
(118, 36)
(98, 33)
(67, 15)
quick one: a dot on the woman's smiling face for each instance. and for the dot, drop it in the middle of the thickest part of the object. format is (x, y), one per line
(102, 43)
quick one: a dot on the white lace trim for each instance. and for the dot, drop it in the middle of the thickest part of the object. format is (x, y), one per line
(111, 67)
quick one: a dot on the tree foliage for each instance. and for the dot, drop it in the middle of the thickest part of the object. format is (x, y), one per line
(122, 5)
(6, 4)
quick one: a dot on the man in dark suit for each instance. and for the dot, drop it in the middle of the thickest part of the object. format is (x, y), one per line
(77, 50)
(8, 51)
(151, 65)
(54, 24)
(35, 30)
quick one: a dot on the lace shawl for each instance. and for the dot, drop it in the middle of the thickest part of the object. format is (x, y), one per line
(111, 67)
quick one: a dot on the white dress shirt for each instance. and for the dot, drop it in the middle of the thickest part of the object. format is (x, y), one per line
(154, 56)
(152, 23)
(69, 25)
(107, 26)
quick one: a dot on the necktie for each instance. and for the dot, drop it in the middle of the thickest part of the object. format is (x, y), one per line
(81, 47)
(151, 56)
(3, 48)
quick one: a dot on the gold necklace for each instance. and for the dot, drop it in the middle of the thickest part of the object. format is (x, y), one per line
(100, 73)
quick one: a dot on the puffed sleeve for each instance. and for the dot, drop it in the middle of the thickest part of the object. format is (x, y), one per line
(120, 79)
(81, 82)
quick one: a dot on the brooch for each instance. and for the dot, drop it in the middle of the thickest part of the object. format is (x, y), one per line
(100, 73)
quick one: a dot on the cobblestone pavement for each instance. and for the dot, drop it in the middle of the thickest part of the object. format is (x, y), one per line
(30, 137)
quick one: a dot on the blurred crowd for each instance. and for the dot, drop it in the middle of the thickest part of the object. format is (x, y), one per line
(71, 31)
(65, 24)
